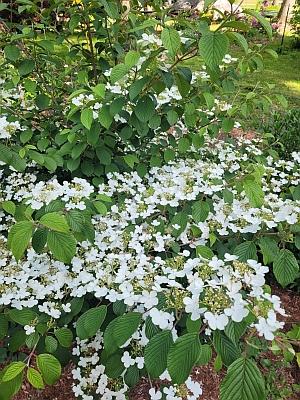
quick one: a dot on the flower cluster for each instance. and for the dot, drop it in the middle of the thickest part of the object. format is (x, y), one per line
(147, 254)
(7, 128)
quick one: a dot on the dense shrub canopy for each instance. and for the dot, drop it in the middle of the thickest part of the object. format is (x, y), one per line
(137, 238)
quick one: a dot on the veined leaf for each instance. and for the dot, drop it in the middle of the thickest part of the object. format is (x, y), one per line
(243, 382)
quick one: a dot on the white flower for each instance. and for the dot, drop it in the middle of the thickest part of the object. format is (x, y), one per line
(216, 321)
(155, 395)
(127, 360)
(29, 329)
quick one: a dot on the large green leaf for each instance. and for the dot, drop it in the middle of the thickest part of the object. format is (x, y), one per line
(226, 348)
(64, 336)
(118, 72)
(171, 40)
(183, 356)
(62, 245)
(246, 251)
(22, 317)
(55, 221)
(200, 211)
(35, 378)
(49, 367)
(125, 327)
(205, 354)
(253, 191)
(243, 382)
(285, 267)
(213, 46)
(90, 322)
(10, 157)
(13, 370)
(269, 249)
(156, 353)
(144, 109)
(86, 117)
(19, 238)
(264, 23)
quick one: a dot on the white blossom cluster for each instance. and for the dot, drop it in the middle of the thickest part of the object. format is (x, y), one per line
(7, 128)
(91, 381)
(133, 258)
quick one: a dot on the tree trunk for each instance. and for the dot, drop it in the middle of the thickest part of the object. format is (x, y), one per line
(285, 12)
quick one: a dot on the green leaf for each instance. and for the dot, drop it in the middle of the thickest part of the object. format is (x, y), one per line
(213, 46)
(269, 249)
(150, 329)
(264, 23)
(19, 237)
(171, 40)
(39, 239)
(22, 317)
(49, 367)
(12, 52)
(235, 330)
(100, 207)
(183, 145)
(118, 72)
(172, 117)
(99, 90)
(103, 155)
(253, 191)
(90, 322)
(114, 366)
(62, 245)
(132, 376)
(35, 378)
(10, 388)
(243, 381)
(51, 344)
(272, 53)
(126, 326)
(169, 155)
(55, 221)
(105, 117)
(180, 219)
(205, 354)
(13, 370)
(193, 326)
(204, 252)
(285, 267)
(86, 118)
(9, 206)
(144, 108)
(26, 66)
(183, 356)
(42, 101)
(131, 160)
(110, 345)
(12, 158)
(156, 353)
(64, 336)
(227, 349)
(200, 211)
(132, 58)
(246, 251)
(239, 39)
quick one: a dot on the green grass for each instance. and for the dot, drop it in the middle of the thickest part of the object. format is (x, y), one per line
(283, 73)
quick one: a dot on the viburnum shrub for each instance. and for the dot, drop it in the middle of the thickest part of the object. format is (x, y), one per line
(148, 276)
(106, 92)
(134, 240)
